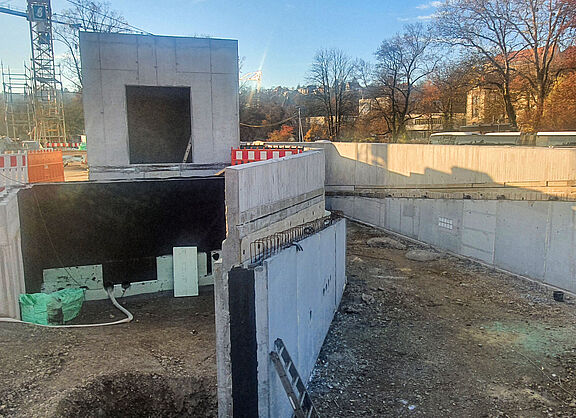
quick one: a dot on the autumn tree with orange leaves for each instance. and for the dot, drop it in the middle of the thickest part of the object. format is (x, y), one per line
(285, 133)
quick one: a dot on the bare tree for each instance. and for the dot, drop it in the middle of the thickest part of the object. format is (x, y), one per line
(403, 63)
(482, 26)
(544, 27)
(90, 16)
(331, 71)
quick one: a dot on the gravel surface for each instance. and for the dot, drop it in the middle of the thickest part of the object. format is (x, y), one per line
(443, 338)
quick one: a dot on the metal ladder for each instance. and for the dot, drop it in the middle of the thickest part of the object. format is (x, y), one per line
(291, 381)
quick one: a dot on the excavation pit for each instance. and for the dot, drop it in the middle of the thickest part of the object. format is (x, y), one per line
(141, 395)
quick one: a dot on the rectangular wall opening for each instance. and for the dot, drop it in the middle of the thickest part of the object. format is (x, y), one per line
(159, 124)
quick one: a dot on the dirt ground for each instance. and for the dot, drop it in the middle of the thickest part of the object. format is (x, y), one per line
(160, 365)
(446, 337)
(443, 338)
(76, 171)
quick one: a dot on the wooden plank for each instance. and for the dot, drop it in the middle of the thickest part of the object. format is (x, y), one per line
(185, 271)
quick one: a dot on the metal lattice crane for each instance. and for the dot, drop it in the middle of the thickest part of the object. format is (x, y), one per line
(253, 76)
(46, 88)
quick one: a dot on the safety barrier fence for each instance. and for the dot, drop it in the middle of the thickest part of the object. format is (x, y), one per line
(13, 171)
(249, 155)
(45, 166)
(63, 144)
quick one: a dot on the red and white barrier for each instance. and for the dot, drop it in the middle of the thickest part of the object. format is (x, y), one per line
(247, 155)
(63, 144)
(13, 171)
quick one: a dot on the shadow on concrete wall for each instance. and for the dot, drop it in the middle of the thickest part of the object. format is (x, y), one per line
(526, 230)
(526, 225)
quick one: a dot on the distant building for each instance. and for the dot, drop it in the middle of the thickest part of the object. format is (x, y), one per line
(306, 90)
(484, 105)
(321, 120)
(353, 85)
(421, 126)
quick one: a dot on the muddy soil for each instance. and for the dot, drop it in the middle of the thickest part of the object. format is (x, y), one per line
(443, 338)
(160, 365)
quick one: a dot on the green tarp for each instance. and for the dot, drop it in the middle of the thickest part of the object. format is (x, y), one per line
(51, 309)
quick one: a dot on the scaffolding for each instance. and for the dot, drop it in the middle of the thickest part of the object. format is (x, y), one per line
(18, 104)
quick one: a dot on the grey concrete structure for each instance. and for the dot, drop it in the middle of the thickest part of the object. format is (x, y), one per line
(204, 69)
(297, 294)
(11, 269)
(532, 239)
(351, 165)
(500, 205)
(262, 198)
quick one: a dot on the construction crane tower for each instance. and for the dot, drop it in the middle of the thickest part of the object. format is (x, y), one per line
(253, 76)
(45, 88)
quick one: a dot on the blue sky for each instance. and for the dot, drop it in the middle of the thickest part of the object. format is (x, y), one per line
(280, 37)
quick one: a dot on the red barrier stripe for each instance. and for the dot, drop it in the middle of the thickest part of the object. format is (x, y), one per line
(13, 161)
(258, 154)
(63, 144)
(1, 161)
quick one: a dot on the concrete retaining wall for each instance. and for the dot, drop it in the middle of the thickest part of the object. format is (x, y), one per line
(262, 198)
(535, 239)
(297, 294)
(11, 270)
(120, 225)
(359, 164)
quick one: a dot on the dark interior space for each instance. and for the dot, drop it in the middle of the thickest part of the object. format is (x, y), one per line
(122, 225)
(159, 124)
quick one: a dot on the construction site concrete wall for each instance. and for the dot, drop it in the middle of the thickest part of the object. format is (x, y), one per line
(262, 198)
(271, 196)
(145, 96)
(11, 270)
(520, 228)
(121, 226)
(536, 239)
(291, 296)
(297, 293)
(350, 164)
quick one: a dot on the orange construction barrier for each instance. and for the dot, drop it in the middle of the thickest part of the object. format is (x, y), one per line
(45, 166)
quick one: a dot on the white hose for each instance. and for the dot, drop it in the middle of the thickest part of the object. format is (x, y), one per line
(110, 291)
